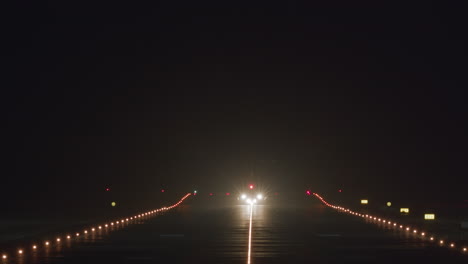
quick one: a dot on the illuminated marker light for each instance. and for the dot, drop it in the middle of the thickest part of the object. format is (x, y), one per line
(429, 216)
(106, 225)
(47, 243)
(364, 201)
(402, 210)
(92, 229)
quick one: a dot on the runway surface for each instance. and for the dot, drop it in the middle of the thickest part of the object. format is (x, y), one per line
(204, 230)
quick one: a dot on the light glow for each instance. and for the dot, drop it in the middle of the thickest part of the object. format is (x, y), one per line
(250, 235)
(47, 243)
(364, 201)
(429, 216)
(404, 210)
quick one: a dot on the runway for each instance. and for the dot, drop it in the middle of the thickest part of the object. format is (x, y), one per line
(213, 230)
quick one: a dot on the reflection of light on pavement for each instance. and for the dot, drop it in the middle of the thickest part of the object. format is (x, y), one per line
(421, 235)
(120, 223)
(250, 234)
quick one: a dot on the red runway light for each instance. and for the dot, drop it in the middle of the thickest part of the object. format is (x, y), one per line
(162, 190)
(211, 194)
(228, 193)
(107, 189)
(339, 190)
(308, 192)
(251, 186)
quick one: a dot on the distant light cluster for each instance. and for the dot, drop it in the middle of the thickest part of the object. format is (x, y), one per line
(20, 252)
(390, 223)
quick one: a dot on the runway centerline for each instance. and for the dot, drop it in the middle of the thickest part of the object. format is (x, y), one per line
(250, 235)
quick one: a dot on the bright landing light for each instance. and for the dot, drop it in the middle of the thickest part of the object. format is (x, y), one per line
(243, 196)
(259, 196)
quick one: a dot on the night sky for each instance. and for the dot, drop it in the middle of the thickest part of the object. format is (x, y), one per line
(367, 97)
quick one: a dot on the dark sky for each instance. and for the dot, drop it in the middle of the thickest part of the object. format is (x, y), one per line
(365, 96)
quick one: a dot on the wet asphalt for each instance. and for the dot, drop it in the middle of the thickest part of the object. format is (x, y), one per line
(216, 231)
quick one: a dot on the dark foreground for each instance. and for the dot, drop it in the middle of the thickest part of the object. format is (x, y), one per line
(214, 231)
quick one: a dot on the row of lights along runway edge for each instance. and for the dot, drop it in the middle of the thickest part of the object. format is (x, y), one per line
(35, 247)
(422, 234)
